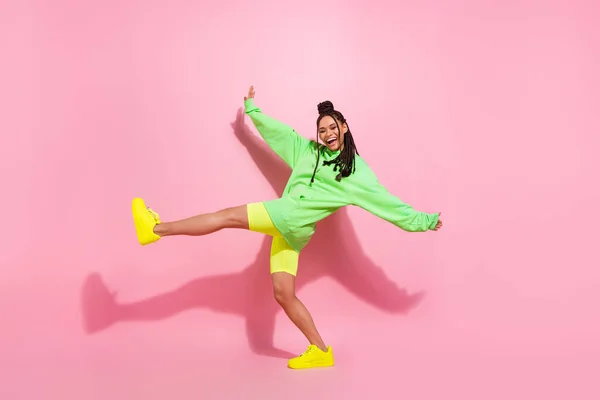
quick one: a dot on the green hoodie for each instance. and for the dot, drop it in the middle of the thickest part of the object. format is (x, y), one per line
(303, 204)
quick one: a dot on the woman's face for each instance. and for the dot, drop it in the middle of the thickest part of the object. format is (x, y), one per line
(329, 134)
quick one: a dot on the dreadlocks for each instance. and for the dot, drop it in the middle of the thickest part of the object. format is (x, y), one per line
(344, 162)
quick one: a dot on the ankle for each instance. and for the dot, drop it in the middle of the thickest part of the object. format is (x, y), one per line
(160, 229)
(322, 347)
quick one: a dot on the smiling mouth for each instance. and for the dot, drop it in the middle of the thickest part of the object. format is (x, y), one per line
(331, 141)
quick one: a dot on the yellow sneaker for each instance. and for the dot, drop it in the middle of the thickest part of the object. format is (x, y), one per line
(313, 357)
(145, 220)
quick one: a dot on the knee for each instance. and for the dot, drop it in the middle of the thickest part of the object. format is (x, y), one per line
(234, 217)
(283, 295)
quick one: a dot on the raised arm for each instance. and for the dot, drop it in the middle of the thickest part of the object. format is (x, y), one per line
(368, 194)
(282, 139)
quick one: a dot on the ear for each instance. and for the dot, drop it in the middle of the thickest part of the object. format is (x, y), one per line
(345, 127)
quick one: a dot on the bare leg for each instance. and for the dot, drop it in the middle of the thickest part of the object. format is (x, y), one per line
(203, 224)
(285, 294)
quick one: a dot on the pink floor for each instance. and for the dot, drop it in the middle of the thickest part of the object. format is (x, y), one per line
(182, 345)
(214, 362)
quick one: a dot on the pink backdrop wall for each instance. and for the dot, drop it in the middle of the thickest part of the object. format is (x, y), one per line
(486, 111)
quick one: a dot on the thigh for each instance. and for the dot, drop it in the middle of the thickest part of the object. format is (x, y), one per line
(259, 220)
(283, 258)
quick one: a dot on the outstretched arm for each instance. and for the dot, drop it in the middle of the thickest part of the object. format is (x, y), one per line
(270, 164)
(373, 197)
(282, 139)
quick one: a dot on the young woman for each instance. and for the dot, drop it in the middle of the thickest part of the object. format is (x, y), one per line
(324, 178)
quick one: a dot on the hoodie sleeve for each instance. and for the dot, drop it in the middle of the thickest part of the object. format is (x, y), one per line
(370, 195)
(281, 138)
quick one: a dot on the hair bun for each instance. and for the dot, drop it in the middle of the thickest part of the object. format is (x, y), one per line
(325, 107)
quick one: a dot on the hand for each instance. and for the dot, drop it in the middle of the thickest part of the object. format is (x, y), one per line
(250, 93)
(439, 223)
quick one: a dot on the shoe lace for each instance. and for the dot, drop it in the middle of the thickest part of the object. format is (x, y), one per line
(311, 349)
(154, 215)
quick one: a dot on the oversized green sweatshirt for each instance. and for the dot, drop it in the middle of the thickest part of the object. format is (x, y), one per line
(303, 204)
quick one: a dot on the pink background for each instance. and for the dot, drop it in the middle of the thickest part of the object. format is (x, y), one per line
(486, 111)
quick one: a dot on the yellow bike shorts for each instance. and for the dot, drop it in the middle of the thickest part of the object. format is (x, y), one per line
(283, 257)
